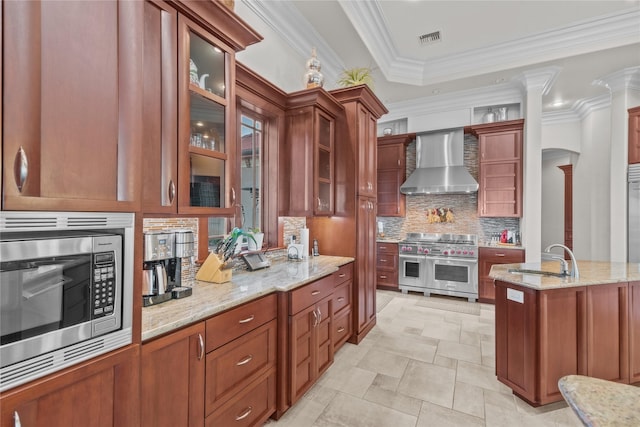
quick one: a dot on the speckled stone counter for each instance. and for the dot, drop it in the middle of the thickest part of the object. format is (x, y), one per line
(387, 240)
(600, 402)
(212, 298)
(591, 273)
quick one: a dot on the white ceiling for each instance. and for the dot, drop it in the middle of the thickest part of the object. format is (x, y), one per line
(483, 43)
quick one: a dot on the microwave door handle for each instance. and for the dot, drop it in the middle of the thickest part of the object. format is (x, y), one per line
(27, 295)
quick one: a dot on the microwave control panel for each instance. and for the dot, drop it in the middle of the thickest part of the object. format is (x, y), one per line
(104, 280)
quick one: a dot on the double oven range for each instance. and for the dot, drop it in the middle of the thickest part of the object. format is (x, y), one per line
(445, 264)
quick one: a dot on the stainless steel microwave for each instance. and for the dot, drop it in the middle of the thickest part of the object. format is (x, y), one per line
(66, 290)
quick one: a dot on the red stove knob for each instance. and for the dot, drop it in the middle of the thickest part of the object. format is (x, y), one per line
(458, 252)
(465, 252)
(471, 252)
(426, 251)
(445, 253)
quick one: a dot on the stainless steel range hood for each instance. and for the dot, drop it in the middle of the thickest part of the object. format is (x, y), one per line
(440, 165)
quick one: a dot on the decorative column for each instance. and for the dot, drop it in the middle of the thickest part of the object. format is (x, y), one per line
(624, 86)
(535, 84)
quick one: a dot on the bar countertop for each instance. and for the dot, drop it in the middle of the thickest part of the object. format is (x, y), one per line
(591, 273)
(212, 298)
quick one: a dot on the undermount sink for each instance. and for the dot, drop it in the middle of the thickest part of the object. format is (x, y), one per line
(540, 272)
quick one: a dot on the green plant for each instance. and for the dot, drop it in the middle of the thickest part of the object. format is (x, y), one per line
(356, 76)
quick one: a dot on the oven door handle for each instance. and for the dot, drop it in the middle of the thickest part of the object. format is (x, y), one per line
(455, 260)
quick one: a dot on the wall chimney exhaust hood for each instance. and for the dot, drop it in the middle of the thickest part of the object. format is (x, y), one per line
(440, 165)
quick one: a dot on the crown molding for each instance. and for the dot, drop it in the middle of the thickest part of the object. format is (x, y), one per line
(628, 78)
(616, 29)
(297, 32)
(578, 110)
(539, 78)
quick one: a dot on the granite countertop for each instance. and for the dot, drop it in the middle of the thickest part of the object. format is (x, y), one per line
(212, 298)
(591, 273)
(387, 240)
(601, 403)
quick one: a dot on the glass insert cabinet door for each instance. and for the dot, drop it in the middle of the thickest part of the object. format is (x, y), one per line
(205, 154)
(324, 164)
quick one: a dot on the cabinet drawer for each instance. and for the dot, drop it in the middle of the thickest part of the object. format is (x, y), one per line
(232, 367)
(387, 248)
(251, 407)
(307, 295)
(343, 274)
(387, 278)
(341, 329)
(230, 325)
(387, 261)
(342, 298)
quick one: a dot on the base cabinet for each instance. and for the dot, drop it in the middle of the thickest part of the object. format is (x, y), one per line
(103, 392)
(634, 332)
(487, 257)
(542, 336)
(172, 378)
(310, 334)
(387, 266)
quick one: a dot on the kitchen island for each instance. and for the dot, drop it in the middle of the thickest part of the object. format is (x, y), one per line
(548, 327)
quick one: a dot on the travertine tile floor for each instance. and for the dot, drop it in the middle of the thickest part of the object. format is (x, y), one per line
(428, 362)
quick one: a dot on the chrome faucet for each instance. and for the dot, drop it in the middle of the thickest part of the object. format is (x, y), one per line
(575, 273)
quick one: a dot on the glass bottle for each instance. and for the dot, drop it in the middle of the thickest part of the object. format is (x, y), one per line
(313, 77)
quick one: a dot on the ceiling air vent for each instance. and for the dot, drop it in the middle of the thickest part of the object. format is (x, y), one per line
(429, 38)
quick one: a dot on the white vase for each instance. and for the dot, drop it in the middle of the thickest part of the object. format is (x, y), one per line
(257, 245)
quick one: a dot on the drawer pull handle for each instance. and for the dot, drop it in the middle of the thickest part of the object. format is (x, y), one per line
(342, 275)
(315, 318)
(499, 254)
(16, 419)
(314, 293)
(201, 344)
(383, 260)
(340, 329)
(340, 299)
(319, 315)
(247, 320)
(382, 248)
(245, 414)
(246, 360)
(20, 168)
(383, 277)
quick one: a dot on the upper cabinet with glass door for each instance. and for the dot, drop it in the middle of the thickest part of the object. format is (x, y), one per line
(204, 158)
(206, 120)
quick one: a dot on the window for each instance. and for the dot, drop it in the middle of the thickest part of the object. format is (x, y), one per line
(251, 148)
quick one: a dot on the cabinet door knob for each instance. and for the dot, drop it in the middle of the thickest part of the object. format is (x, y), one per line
(20, 168)
(16, 419)
(201, 344)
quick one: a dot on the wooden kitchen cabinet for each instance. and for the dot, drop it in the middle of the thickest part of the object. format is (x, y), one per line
(72, 105)
(102, 392)
(365, 294)
(607, 326)
(240, 377)
(309, 147)
(542, 336)
(634, 135)
(487, 257)
(500, 168)
(634, 332)
(392, 165)
(310, 334)
(172, 378)
(189, 106)
(387, 266)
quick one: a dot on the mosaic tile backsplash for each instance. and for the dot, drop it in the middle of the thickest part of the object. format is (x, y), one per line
(463, 206)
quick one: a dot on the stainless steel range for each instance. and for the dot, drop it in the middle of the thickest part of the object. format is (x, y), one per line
(445, 264)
